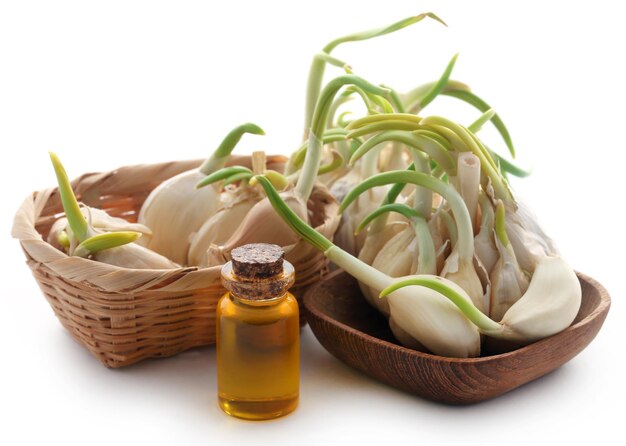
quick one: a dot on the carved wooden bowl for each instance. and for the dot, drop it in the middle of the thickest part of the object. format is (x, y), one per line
(358, 335)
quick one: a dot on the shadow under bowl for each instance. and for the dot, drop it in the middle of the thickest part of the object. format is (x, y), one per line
(350, 329)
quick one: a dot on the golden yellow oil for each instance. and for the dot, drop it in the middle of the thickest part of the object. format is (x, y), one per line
(258, 356)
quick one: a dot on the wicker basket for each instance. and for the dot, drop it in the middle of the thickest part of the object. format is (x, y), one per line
(125, 315)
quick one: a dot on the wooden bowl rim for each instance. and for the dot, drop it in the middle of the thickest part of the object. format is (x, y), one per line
(603, 305)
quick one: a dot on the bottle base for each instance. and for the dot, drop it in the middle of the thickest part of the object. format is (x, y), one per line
(258, 409)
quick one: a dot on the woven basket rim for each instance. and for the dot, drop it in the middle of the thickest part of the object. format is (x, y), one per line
(69, 268)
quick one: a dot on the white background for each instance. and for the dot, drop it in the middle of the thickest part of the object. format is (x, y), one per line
(106, 84)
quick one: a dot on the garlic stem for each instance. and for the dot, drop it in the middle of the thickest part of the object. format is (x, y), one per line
(394, 97)
(477, 125)
(472, 144)
(108, 240)
(427, 257)
(74, 216)
(417, 141)
(297, 158)
(412, 97)
(468, 181)
(500, 226)
(379, 223)
(439, 285)
(383, 117)
(223, 174)
(318, 65)
(361, 271)
(437, 88)
(291, 218)
(422, 197)
(457, 205)
(467, 96)
(403, 209)
(320, 116)
(218, 159)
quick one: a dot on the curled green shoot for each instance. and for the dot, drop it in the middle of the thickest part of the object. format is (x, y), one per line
(334, 164)
(108, 240)
(394, 98)
(64, 240)
(401, 209)
(318, 66)
(384, 125)
(477, 125)
(508, 167)
(341, 119)
(464, 303)
(300, 227)
(420, 142)
(242, 176)
(377, 118)
(457, 134)
(394, 191)
(223, 174)
(218, 159)
(454, 199)
(500, 226)
(75, 217)
(372, 101)
(330, 136)
(438, 86)
(320, 117)
(475, 101)
(412, 98)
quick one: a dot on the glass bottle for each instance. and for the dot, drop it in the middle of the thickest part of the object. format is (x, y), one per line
(258, 330)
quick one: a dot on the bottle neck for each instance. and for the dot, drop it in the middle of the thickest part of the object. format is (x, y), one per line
(256, 302)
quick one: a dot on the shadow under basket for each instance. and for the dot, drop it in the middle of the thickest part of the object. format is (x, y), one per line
(142, 313)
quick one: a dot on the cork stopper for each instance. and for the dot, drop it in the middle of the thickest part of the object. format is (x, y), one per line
(258, 272)
(257, 260)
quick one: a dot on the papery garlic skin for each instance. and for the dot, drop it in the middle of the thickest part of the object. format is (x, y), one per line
(508, 282)
(134, 256)
(260, 225)
(222, 225)
(175, 210)
(529, 241)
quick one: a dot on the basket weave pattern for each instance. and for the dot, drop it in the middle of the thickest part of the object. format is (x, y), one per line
(125, 315)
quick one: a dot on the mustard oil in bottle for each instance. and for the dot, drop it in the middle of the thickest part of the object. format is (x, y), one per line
(258, 330)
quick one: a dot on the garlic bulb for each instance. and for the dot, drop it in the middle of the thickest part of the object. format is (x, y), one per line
(432, 321)
(260, 225)
(175, 209)
(115, 248)
(99, 219)
(218, 229)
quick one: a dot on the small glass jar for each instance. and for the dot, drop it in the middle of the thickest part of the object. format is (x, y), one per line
(258, 330)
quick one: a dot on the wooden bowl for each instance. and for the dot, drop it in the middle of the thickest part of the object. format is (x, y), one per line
(358, 335)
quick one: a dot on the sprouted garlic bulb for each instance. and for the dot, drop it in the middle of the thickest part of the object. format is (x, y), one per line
(97, 218)
(427, 317)
(175, 209)
(549, 305)
(459, 266)
(115, 248)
